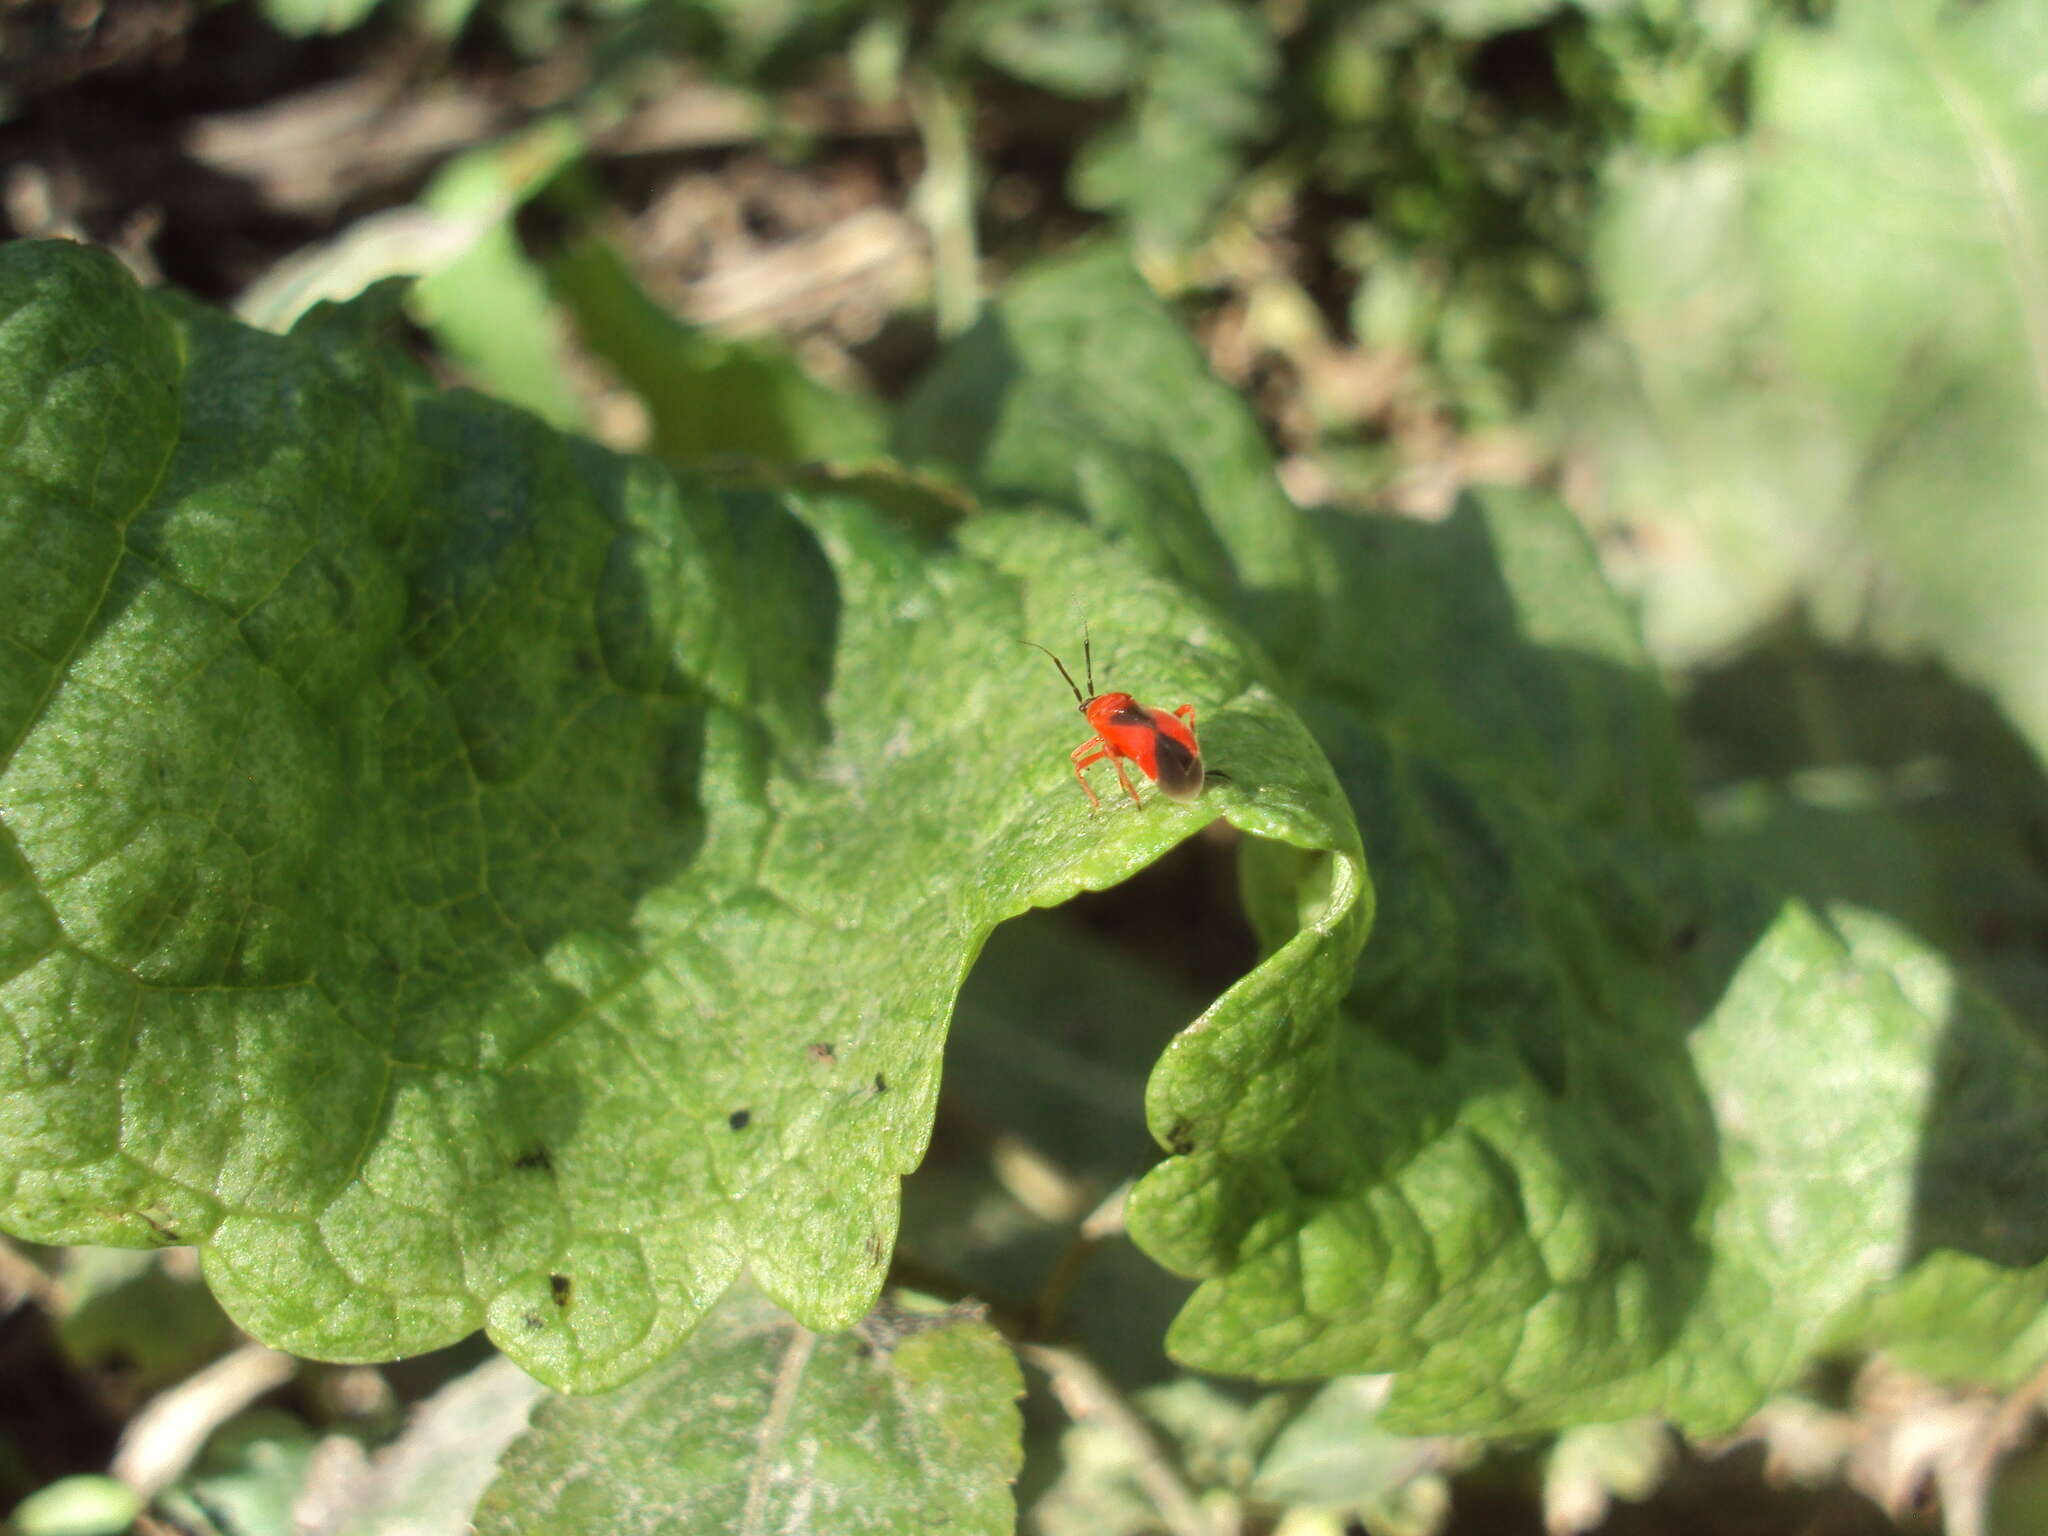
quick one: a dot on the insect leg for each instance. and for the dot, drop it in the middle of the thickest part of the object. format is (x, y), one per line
(1118, 764)
(1090, 751)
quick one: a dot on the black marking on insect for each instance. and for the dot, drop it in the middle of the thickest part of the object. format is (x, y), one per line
(1180, 771)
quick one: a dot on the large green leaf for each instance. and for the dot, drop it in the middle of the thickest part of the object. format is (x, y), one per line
(906, 1423)
(456, 875)
(1721, 483)
(1824, 368)
(1599, 1133)
(1473, 1191)
(1522, 1161)
(1915, 127)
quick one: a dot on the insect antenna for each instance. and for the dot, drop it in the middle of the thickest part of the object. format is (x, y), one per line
(1066, 674)
(1088, 655)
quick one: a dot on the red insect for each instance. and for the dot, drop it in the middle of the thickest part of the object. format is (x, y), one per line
(1161, 742)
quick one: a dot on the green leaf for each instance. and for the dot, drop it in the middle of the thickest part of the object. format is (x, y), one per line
(909, 1422)
(303, 18)
(1335, 1454)
(1077, 388)
(1199, 106)
(1913, 126)
(1467, 1144)
(457, 876)
(76, 1506)
(1075, 47)
(431, 1477)
(1598, 1130)
(1782, 399)
(709, 397)
(127, 1310)
(489, 307)
(247, 1480)
(1483, 18)
(1106, 1488)
(1846, 777)
(1723, 475)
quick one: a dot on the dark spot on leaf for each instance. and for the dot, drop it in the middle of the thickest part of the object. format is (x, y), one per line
(878, 1249)
(881, 1083)
(165, 1232)
(821, 1050)
(559, 1287)
(534, 1157)
(535, 1321)
(738, 1119)
(1180, 1141)
(1686, 939)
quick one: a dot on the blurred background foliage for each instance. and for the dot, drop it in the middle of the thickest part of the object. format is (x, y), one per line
(1761, 285)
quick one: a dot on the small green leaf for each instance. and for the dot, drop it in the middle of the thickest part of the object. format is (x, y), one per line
(248, 1479)
(1075, 47)
(76, 1506)
(1483, 18)
(1335, 1454)
(1199, 105)
(489, 307)
(907, 1423)
(709, 397)
(126, 1309)
(1594, 1464)
(431, 1477)
(303, 18)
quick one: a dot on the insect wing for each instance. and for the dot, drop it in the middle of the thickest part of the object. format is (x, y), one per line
(1177, 765)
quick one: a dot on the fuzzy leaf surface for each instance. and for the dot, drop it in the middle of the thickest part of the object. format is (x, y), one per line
(907, 1423)
(457, 876)
(1602, 1128)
